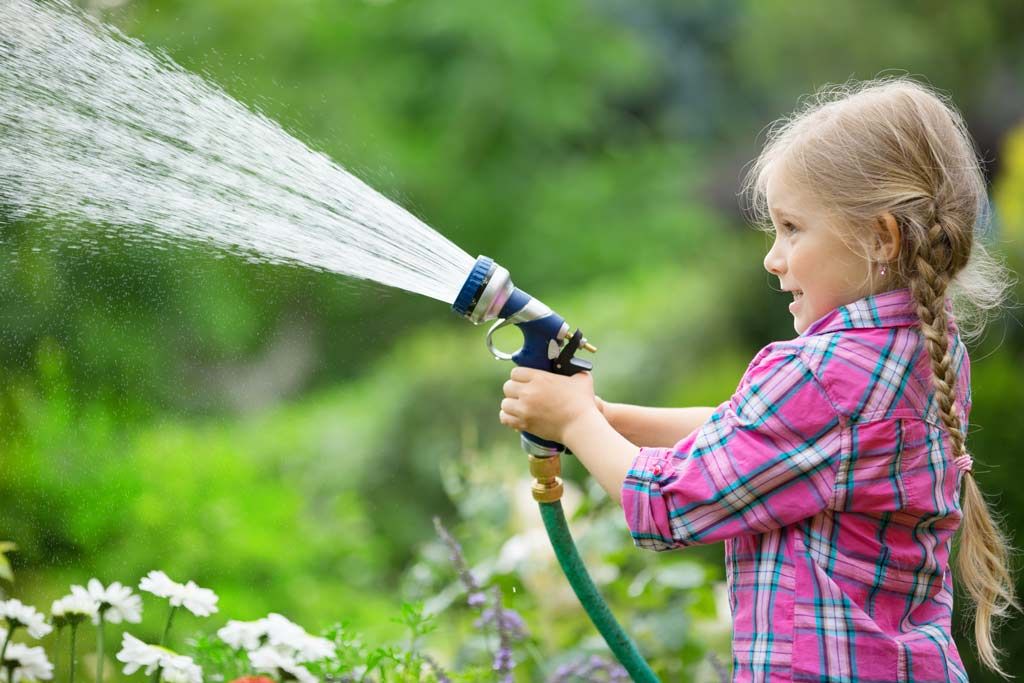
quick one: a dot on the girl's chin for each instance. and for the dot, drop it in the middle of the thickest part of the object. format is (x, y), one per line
(798, 320)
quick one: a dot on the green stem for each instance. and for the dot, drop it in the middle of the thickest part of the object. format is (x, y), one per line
(56, 653)
(7, 641)
(99, 650)
(74, 630)
(3, 651)
(163, 638)
(167, 627)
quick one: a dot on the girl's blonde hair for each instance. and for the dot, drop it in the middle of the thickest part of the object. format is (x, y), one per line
(893, 145)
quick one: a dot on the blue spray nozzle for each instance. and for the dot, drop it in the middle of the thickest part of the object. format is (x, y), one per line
(474, 286)
(489, 294)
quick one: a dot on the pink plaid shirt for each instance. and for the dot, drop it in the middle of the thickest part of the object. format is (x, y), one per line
(828, 475)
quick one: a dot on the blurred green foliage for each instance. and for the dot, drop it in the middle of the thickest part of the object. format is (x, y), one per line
(284, 436)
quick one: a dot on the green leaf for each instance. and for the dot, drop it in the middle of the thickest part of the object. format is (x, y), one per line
(5, 565)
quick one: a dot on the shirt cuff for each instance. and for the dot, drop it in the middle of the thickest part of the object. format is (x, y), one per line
(645, 509)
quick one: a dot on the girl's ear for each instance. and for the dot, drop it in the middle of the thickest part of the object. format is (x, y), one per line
(887, 236)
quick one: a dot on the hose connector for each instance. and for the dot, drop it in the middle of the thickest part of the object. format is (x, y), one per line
(547, 484)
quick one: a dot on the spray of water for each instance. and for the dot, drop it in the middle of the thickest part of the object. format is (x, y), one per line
(97, 130)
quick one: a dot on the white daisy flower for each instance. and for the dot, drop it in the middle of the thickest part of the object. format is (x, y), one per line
(243, 635)
(273, 661)
(116, 603)
(29, 663)
(18, 614)
(180, 669)
(274, 630)
(174, 668)
(201, 602)
(139, 655)
(290, 636)
(74, 608)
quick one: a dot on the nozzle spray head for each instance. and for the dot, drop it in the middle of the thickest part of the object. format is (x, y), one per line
(488, 293)
(485, 292)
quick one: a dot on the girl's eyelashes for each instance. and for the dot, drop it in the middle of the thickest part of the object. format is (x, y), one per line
(788, 227)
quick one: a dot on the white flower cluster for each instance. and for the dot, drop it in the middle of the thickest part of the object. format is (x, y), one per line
(26, 663)
(271, 661)
(201, 602)
(174, 668)
(115, 603)
(274, 644)
(18, 614)
(74, 608)
(277, 646)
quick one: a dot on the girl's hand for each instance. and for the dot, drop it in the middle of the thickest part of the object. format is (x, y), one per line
(545, 404)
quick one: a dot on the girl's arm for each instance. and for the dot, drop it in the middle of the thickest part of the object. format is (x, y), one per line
(645, 426)
(606, 453)
(564, 409)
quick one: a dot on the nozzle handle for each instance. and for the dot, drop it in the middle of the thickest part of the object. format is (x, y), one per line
(543, 334)
(564, 364)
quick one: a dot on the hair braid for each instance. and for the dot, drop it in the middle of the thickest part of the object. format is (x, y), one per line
(983, 557)
(928, 287)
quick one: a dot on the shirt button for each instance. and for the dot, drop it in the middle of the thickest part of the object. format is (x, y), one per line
(657, 469)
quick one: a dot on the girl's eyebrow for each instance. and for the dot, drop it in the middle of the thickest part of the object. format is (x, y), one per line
(784, 214)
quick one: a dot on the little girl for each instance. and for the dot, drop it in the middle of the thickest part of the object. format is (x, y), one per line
(837, 473)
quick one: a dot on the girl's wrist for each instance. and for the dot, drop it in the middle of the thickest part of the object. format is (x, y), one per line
(605, 453)
(607, 409)
(585, 421)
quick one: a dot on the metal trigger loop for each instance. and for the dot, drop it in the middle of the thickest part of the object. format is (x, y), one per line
(500, 355)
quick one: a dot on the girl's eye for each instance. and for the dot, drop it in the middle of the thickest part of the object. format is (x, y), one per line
(788, 227)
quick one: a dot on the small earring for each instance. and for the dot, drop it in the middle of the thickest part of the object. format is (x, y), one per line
(882, 270)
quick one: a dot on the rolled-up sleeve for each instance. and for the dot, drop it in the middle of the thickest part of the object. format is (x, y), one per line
(766, 458)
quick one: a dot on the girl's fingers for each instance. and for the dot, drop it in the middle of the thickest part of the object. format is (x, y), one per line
(521, 374)
(511, 388)
(508, 420)
(509, 406)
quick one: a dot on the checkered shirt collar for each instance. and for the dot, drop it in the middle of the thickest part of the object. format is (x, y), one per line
(895, 308)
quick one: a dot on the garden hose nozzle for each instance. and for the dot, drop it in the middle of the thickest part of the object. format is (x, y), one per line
(489, 294)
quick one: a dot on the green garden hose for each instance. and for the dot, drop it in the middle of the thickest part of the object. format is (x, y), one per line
(547, 490)
(621, 644)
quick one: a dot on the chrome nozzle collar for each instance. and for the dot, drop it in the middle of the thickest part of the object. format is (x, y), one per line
(496, 292)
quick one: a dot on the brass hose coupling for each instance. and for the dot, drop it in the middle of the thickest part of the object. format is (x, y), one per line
(547, 485)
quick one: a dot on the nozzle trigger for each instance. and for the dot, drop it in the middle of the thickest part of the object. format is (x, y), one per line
(566, 363)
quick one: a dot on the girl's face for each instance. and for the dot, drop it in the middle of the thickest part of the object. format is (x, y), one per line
(808, 256)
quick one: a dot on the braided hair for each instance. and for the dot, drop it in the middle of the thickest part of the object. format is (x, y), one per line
(983, 558)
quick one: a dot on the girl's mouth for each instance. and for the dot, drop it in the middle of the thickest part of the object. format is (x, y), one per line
(797, 295)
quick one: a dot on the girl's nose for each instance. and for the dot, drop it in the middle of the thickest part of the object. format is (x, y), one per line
(774, 262)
